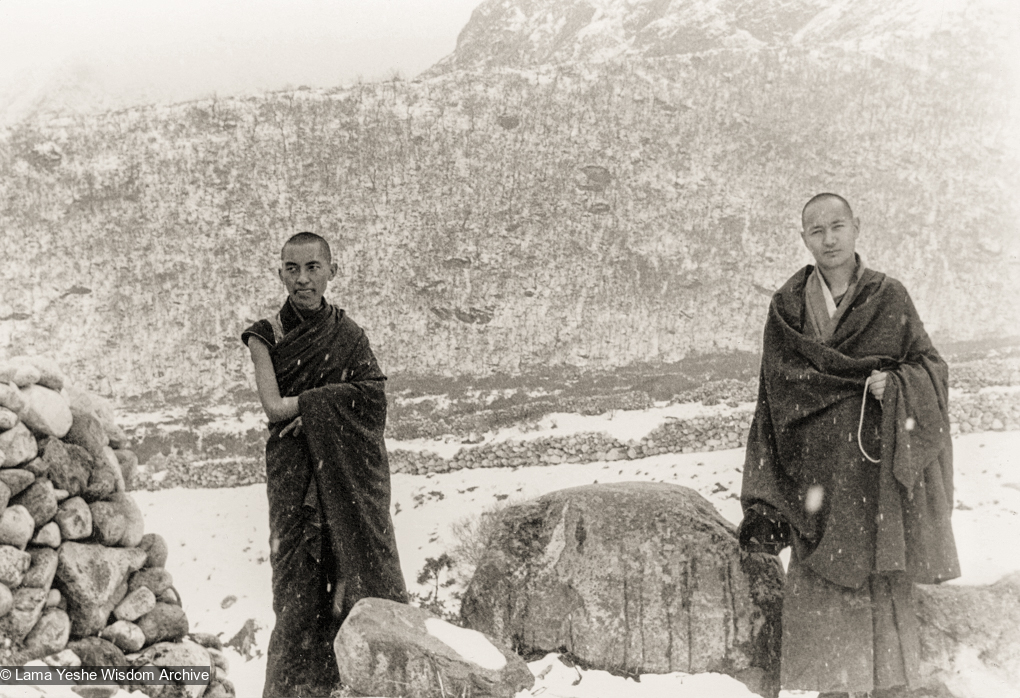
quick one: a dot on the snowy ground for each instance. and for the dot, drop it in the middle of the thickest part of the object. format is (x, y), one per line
(219, 542)
(219, 552)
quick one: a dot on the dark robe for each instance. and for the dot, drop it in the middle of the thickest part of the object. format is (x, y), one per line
(877, 526)
(331, 534)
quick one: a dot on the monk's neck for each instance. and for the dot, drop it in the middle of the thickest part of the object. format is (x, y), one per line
(838, 279)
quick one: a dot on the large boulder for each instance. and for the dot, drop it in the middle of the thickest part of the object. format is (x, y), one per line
(633, 577)
(970, 647)
(92, 578)
(383, 644)
(46, 411)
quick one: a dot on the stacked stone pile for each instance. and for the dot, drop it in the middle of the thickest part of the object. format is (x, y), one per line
(81, 583)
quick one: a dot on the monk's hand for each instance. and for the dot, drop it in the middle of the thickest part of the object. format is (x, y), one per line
(294, 427)
(876, 384)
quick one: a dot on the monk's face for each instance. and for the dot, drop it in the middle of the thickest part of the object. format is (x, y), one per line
(830, 233)
(306, 271)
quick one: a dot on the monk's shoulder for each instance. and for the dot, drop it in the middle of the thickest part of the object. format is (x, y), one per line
(263, 329)
(790, 296)
(889, 287)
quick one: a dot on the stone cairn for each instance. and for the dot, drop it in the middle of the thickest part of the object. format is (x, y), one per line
(81, 583)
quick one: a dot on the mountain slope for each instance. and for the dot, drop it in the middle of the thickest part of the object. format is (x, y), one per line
(592, 213)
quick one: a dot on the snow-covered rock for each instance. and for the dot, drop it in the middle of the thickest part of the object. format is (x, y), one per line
(383, 645)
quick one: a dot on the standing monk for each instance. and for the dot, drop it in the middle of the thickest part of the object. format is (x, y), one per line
(849, 461)
(327, 475)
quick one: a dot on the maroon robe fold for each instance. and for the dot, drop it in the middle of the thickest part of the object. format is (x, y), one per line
(329, 493)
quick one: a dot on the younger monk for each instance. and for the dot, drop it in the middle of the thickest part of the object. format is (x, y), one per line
(849, 460)
(327, 475)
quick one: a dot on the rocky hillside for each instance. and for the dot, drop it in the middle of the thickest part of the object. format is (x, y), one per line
(502, 215)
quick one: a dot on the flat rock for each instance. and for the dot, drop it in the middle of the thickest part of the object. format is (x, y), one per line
(125, 634)
(43, 568)
(568, 571)
(157, 579)
(40, 500)
(7, 419)
(18, 446)
(14, 562)
(136, 604)
(108, 522)
(156, 550)
(65, 471)
(95, 651)
(11, 397)
(164, 623)
(91, 577)
(384, 644)
(74, 517)
(16, 526)
(49, 635)
(46, 411)
(48, 536)
(29, 603)
(16, 479)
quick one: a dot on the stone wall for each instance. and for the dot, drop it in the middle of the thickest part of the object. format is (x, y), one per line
(81, 583)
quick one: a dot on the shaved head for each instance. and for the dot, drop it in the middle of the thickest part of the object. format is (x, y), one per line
(306, 238)
(821, 197)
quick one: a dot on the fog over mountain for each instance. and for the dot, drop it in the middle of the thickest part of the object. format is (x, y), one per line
(112, 54)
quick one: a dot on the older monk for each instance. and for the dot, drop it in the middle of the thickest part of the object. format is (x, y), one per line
(849, 461)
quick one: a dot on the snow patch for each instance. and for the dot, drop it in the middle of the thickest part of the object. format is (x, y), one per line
(469, 644)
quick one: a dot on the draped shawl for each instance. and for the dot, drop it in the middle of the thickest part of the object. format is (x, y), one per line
(325, 360)
(851, 517)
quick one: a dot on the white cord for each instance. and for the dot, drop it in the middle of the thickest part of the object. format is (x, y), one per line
(860, 424)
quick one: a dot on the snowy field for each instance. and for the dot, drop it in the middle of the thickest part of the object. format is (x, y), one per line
(219, 553)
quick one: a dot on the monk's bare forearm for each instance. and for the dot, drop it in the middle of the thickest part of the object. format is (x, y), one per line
(277, 408)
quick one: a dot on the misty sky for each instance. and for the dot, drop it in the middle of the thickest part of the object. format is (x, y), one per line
(183, 49)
